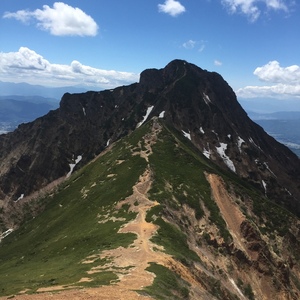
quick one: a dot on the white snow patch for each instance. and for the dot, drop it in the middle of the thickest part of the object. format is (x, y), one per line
(206, 99)
(149, 109)
(266, 165)
(20, 198)
(201, 130)
(206, 153)
(221, 150)
(237, 288)
(264, 185)
(215, 133)
(6, 233)
(72, 166)
(187, 135)
(116, 106)
(240, 142)
(162, 114)
(288, 191)
(83, 109)
(229, 136)
(78, 159)
(108, 142)
(252, 142)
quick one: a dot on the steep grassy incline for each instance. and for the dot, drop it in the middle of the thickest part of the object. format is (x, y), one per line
(48, 249)
(152, 202)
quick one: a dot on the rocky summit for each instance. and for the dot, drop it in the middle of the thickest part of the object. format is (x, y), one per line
(163, 189)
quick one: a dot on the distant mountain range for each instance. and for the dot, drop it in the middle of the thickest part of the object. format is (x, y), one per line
(279, 115)
(23, 102)
(15, 110)
(25, 89)
(269, 105)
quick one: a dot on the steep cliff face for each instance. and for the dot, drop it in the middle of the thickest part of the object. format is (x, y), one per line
(196, 102)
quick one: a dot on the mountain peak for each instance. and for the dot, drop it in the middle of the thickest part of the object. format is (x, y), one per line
(196, 102)
(171, 72)
(167, 176)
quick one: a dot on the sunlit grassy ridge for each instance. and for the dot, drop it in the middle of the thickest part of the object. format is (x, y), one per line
(49, 249)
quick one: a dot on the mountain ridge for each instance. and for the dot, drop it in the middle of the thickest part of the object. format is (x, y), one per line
(198, 103)
(195, 101)
(152, 203)
(164, 186)
(26, 89)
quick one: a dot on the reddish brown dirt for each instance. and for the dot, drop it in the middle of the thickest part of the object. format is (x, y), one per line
(230, 212)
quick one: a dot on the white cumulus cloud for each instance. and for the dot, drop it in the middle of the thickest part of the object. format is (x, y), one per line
(28, 66)
(61, 20)
(273, 72)
(171, 7)
(280, 91)
(253, 8)
(191, 44)
(218, 63)
(283, 82)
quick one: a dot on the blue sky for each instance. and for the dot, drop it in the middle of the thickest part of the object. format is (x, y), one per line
(253, 44)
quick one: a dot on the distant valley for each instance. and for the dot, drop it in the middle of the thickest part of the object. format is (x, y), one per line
(279, 118)
(283, 126)
(15, 110)
(23, 103)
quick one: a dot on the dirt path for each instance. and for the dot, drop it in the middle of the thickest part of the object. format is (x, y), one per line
(136, 258)
(129, 263)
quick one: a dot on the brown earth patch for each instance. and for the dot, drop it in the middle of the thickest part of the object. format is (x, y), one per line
(230, 212)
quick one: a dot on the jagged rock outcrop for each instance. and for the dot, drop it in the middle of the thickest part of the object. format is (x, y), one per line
(197, 102)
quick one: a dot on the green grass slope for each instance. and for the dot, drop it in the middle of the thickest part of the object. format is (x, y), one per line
(49, 250)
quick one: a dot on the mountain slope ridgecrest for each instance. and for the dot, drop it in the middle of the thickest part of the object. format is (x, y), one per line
(194, 101)
(151, 217)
